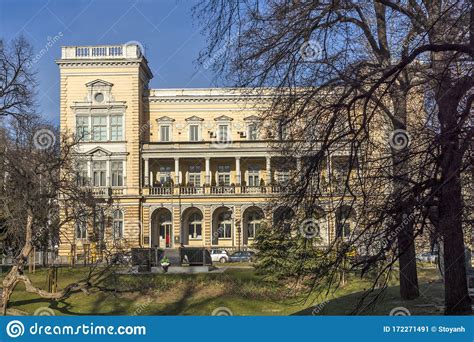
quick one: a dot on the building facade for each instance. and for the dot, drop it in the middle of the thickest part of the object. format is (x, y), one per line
(188, 167)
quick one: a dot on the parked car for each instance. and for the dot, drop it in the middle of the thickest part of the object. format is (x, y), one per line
(219, 255)
(427, 257)
(242, 256)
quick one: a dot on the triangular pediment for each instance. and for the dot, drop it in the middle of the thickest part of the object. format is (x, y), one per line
(194, 118)
(99, 83)
(252, 118)
(223, 118)
(99, 151)
(165, 119)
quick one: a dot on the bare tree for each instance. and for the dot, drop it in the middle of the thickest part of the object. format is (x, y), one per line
(344, 71)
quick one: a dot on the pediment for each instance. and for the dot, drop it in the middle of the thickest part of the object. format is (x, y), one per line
(223, 118)
(99, 152)
(165, 119)
(252, 118)
(194, 118)
(99, 83)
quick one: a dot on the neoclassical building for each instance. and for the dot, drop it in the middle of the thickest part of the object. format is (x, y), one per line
(185, 167)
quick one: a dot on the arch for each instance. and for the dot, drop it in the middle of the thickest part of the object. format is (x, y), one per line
(283, 216)
(252, 219)
(161, 228)
(345, 221)
(222, 224)
(192, 224)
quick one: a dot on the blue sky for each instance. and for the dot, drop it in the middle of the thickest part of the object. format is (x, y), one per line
(172, 40)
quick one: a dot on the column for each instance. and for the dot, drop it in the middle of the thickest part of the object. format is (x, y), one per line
(237, 170)
(208, 170)
(176, 171)
(269, 171)
(147, 172)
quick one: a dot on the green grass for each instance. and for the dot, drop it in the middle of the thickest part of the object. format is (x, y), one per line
(240, 290)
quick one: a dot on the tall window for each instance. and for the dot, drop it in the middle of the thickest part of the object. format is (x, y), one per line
(223, 175)
(252, 131)
(224, 225)
(165, 133)
(117, 226)
(116, 127)
(117, 173)
(82, 128)
(195, 175)
(223, 133)
(253, 175)
(99, 128)
(282, 131)
(254, 223)
(81, 229)
(283, 176)
(165, 174)
(82, 175)
(99, 171)
(195, 226)
(99, 224)
(194, 133)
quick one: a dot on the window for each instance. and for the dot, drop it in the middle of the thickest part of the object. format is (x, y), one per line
(195, 226)
(194, 133)
(282, 131)
(253, 176)
(195, 175)
(224, 226)
(99, 171)
(99, 128)
(165, 133)
(81, 229)
(223, 133)
(165, 174)
(116, 127)
(117, 226)
(117, 173)
(99, 224)
(82, 128)
(344, 221)
(254, 222)
(283, 176)
(252, 132)
(82, 174)
(223, 175)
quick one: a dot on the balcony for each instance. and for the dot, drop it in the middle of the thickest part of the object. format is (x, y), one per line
(104, 191)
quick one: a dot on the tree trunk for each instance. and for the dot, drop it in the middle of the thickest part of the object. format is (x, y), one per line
(457, 300)
(405, 232)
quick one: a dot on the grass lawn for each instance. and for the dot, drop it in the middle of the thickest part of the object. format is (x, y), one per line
(240, 290)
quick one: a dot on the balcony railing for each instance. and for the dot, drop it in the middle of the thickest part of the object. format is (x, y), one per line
(103, 191)
(213, 190)
(131, 50)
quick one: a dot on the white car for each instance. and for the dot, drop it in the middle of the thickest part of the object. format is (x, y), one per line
(219, 255)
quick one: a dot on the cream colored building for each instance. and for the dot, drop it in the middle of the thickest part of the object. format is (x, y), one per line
(186, 167)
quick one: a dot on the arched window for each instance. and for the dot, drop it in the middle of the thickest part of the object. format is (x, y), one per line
(195, 226)
(117, 226)
(254, 223)
(224, 225)
(345, 220)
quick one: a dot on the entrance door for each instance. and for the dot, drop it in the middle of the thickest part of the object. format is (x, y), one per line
(165, 235)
